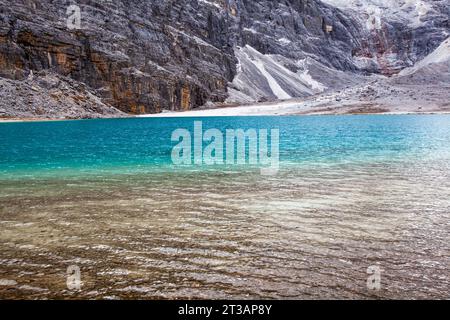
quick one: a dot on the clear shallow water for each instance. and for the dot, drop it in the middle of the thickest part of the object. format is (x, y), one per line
(352, 192)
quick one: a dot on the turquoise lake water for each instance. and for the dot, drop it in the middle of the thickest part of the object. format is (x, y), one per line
(81, 147)
(351, 192)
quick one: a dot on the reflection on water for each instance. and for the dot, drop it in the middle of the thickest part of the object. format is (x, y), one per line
(310, 232)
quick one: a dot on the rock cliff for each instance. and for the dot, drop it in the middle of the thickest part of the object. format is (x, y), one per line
(147, 56)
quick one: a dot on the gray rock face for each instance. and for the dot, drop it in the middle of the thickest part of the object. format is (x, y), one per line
(140, 56)
(396, 34)
(51, 96)
(147, 56)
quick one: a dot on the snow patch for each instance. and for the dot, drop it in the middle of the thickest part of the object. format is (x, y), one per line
(284, 41)
(209, 3)
(266, 76)
(274, 86)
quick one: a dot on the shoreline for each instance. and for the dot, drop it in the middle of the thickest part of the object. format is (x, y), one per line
(309, 107)
(236, 112)
(200, 115)
(14, 120)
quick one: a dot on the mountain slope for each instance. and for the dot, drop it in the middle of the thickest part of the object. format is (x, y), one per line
(439, 58)
(396, 33)
(51, 96)
(148, 56)
(153, 55)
